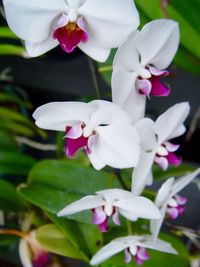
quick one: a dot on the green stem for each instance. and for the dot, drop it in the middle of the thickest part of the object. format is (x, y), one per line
(129, 227)
(120, 179)
(94, 72)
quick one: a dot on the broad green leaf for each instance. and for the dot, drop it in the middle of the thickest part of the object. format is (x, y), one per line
(15, 163)
(54, 184)
(54, 240)
(84, 237)
(8, 49)
(9, 199)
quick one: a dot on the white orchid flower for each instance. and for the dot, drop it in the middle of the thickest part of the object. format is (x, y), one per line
(156, 145)
(111, 202)
(133, 246)
(31, 253)
(140, 63)
(101, 127)
(95, 26)
(169, 202)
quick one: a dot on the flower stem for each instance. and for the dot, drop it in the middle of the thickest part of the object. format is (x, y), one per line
(94, 72)
(129, 227)
(120, 179)
(12, 232)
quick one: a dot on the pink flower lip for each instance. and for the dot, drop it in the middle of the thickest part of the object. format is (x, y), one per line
(176, 207)
(170, 158)
(75, 140)
(70, 35)
(140, 256)
(153, 86)
(101, 218)
(42, 260)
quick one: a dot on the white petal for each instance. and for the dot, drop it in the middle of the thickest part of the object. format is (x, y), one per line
(147, 134)
(24, 253)
(93, 50)
(57, 115)
(37, 49)
(127, 56)
(75, 3)
(141, 207)
(107, 251)
(107, 24)
(183, 182)
(107, 113)
(164, 192)
(158, 42)
(158, 245)
(118, 145)
(170, 121)
(86, 203)
(141, 172)
(114, 194)
(155, 225)
(178, 132)
(128, 215)
(33, 20)
(96, 161)
(124, 93)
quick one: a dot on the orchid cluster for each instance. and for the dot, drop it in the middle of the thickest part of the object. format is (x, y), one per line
(117, 133)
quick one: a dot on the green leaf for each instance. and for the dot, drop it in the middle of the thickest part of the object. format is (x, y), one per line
(7, 98)
(188, 9)
(5, 32)
(15, 116)
(187, 61)
(53, 184)
(8, 125)
(7, 240)
(9, 199)
(153, 10)
(15, 163)
(7, 49)
(84, 237)
(7, 142)
(54, 240)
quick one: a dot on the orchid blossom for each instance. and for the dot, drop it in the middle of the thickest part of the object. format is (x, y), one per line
(95, 26)
(169, 202)
(140, 63)
(102, 128)
(156, 145)
(31, 253)
(132, 246)
(112, 202)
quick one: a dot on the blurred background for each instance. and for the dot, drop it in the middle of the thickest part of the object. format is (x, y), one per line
(27, 83)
